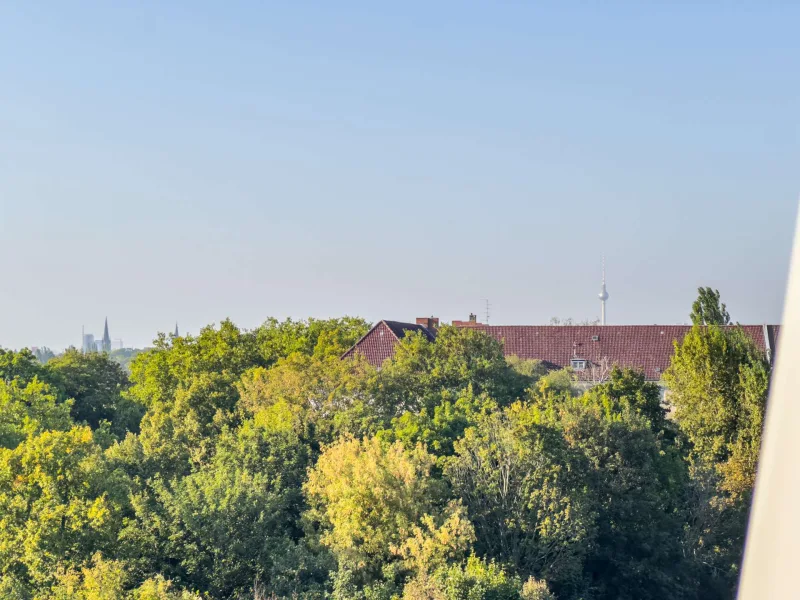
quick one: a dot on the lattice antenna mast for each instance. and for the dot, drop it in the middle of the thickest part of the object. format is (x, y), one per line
(486, 313)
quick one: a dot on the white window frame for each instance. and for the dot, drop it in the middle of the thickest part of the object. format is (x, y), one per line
(578, 364)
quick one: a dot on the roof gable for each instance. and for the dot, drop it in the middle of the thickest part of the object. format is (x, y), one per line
(379, 342)
(400, 329)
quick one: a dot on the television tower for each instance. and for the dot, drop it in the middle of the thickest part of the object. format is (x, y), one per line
(603, 295)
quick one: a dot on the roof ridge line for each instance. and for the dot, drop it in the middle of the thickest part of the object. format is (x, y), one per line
(363, 337)
(390, 328)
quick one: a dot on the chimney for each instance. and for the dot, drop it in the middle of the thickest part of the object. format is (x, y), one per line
(473, 322)
(429, 322)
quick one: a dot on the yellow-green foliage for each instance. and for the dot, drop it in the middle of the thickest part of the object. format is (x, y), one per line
(110, 580)
(320, 386)
(369, 495)
(102, 580)
(718, 382)
(158, 588)
(59, 499)
(28, 408)
(474, 579)
(431, 546)
(536, 589)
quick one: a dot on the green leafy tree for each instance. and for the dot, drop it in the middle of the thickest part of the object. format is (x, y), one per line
(29, 409)
(460, 358)
(193, 385)
(158, 588)
(381, 514)
(524, 490)
(14, 587)
(180, 434)
(173, 363)
(22, 365)
(474, 579)
(190, 388)
(708, 309)
(60, 502)
(233, 518)
(440, 426)
(106, 579)
(636, 479)
(124, 357)
(536, 589)
(96, 385)
(323, 338)
(333, 394)
(718, 382)
(101, 580)
(553, 386)
(626, 391)
(532, 370)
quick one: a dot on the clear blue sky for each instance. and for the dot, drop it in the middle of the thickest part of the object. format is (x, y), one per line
(190, 161)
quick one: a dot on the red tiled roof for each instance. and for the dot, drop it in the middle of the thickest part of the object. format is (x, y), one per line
(379, 342)
(400, 329)
(647, 348)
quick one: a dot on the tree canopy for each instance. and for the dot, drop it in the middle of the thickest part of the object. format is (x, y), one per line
(708, 309)
(257, 463)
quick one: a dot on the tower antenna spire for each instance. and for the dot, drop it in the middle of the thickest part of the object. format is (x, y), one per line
(604, 268)
(603, 295)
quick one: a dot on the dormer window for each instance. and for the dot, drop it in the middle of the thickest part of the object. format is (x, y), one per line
(578, 364)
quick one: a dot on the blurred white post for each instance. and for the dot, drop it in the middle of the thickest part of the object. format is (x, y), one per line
(772, 553)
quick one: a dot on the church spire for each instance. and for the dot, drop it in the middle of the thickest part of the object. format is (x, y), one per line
(106, 338)
(176, 334)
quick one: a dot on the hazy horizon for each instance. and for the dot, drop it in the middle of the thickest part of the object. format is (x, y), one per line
(444, 321)
(190, 162)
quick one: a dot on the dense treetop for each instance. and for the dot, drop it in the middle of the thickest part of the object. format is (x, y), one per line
(239, 464)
